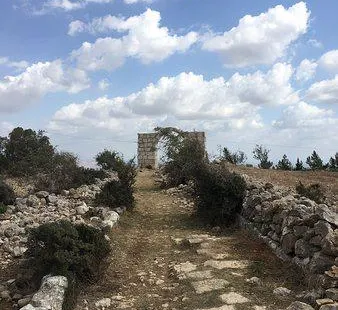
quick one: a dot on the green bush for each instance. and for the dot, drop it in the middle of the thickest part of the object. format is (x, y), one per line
(7, 195)
(312, 191)
(118, 193)
(219, 194)
(3, 208)
(62, 248)
(65, 173)
(26, 152)
(183, 154)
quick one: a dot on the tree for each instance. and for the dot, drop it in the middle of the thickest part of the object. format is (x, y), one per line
(315, 162)
(284, 164)
(234, 158)
(109, 160)
(333, 163)
(262, 154)
(28, 152)
(299, 165)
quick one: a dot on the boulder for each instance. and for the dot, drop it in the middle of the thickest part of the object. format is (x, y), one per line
(50, 295)
(297, 305)
(288, 243)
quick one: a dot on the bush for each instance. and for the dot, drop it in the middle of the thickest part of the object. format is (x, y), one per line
(183, 154)
(65, 173)
(3, 208)
(26, 152)
(313, 192)
(62, 248)
(118, 193)
(219, 193)
(7, 195)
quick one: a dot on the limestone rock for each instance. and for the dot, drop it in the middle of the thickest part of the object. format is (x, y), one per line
(50, 294)
(297, 305)
(209, 285)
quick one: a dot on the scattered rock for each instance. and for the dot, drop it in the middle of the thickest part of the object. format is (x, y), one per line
(297, 305)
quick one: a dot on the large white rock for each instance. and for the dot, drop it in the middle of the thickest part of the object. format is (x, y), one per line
(50, 295)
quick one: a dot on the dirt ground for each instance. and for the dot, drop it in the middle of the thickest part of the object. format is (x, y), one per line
(141, 271)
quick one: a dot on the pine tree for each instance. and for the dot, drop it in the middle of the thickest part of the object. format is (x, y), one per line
(234, 158)
(284, 164)
(262, 154)
(315, 162)
(299, 165)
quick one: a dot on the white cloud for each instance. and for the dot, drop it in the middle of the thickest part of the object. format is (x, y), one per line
(146, 41)
(137, 1)
(5, 128)
(306, 70)
(303, 115)
(40, 78)
(324, 91)
(65, 5)
(260, 39)
(186, 99)
(315, 43)
(329, 61)
(19, 65)
(103, 84)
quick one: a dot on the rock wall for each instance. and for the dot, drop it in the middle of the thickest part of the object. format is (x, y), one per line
(147, 148)
(298, 230)
(43, 207)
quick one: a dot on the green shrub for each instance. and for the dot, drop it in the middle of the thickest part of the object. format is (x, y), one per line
(118, 193)
(7, 195)
(219, 193)
(62, 248)
(3, 208)
(27, 152)
(312, 191)
(183, 153)
(65, 173)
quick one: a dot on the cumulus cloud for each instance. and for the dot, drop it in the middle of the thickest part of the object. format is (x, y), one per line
(145, 40)
(37, 80)
(186, 99)
(19, 65)
(303, 115)
(260, 39)
(306, 70)
(329, 61)
(325, 91)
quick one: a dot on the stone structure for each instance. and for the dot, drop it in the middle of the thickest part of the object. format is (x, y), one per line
(147, 148)
(298, 230)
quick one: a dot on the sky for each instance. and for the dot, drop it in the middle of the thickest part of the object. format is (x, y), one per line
(94, 73)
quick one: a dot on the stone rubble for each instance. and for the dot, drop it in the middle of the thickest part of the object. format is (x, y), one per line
(297, 229)
(43, 207)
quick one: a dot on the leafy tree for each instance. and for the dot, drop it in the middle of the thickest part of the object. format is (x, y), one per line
(262, 154)
(299, 165)
(315, 162)
(28, 152)
(109, 160)
(3, 159)
(234, 158)
(284, 164)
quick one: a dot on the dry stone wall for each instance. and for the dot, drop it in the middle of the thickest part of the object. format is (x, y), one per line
(298, 230)
(147, 148)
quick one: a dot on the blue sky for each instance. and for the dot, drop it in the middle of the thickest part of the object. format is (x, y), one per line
(93, 73)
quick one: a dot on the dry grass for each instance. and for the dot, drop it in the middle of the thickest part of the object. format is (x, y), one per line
(328, 180)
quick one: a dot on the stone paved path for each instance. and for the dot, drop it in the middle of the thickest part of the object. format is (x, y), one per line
(163, 258)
